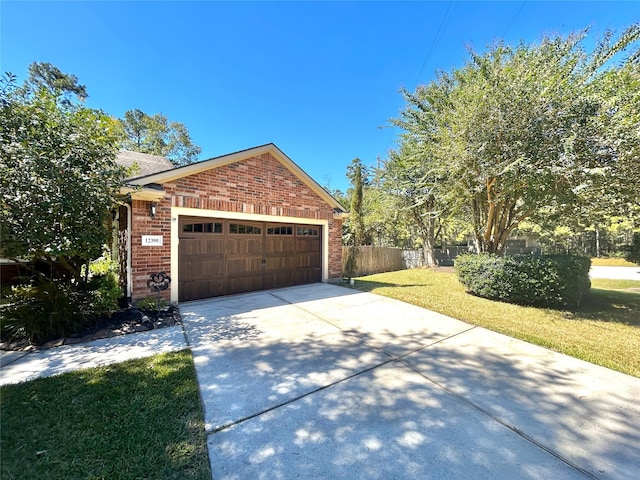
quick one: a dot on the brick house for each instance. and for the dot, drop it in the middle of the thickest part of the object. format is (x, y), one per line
(249, 220)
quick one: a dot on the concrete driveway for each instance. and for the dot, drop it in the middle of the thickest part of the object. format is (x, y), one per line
(321, 381)
(615, 273)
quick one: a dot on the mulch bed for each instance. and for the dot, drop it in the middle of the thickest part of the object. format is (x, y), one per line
(123, 322)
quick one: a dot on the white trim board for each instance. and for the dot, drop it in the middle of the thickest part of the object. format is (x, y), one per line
(177, 212)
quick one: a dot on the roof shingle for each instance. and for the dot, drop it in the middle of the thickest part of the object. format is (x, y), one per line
(146, 164)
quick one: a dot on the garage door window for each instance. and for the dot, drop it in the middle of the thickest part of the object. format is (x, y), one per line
(206, 227)
(307, 232)
(244, 229)
(280, 230)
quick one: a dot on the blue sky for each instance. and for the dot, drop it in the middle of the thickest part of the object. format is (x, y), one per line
(318, 79)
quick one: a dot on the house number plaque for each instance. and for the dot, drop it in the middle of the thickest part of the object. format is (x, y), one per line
(151, 240)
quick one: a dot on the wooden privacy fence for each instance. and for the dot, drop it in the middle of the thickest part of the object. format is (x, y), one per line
(372, 260)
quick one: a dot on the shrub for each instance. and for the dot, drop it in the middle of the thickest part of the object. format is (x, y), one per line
(103, 265)
(105, 294)
(549, 281)
(151, 303)
(43, 310)
(633, 251)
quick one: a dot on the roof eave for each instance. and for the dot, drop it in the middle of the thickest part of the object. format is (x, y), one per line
(143, 193)
(195, 168)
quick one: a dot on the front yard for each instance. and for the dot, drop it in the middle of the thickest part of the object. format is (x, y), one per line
(135, 420)
(605, 330)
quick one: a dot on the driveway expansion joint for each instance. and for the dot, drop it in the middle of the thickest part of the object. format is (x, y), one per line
(295, 399)
(502, 422)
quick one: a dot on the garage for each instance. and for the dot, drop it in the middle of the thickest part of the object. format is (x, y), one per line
(241, 222)
(226, 256)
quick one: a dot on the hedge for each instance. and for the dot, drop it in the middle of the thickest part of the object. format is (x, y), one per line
(556, 281)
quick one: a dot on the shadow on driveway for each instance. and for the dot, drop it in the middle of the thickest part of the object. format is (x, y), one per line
(323, 382)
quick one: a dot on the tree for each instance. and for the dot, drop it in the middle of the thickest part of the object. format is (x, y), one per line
(48, 76)
(416, 191)
(58, 177)
(519, 130)
(633, 252)
(156, 135)
(357, 173)
(356, 219)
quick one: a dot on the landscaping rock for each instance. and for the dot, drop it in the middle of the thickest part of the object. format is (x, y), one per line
(126, 321)
(53, 343)
(101, 334)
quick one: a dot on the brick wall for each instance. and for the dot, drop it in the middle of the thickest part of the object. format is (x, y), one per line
(259, 185)
(147, 260)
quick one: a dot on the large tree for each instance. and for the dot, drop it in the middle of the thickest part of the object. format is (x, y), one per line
(416, 191)
(58, 177)
(156, 135)
(518, 130)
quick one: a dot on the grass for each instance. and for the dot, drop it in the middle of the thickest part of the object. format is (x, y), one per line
(605, 330)
(135, 420)
(611, 262)
(606, 284)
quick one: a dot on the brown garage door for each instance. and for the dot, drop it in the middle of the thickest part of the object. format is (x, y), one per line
(222, 257)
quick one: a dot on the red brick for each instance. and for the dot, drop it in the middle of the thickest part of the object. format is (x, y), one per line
(258, 185)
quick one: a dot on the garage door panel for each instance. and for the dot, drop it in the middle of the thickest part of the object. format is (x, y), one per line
(224, 257)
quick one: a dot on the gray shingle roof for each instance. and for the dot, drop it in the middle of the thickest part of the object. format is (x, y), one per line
(146, 164)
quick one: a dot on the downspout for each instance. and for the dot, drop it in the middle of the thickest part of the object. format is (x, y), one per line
(129, 274)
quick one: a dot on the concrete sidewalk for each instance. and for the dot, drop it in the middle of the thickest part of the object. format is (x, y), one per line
(18, 367)
(322, 381)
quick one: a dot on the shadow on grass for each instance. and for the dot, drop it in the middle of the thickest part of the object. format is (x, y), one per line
(619, 306)
(611, 306)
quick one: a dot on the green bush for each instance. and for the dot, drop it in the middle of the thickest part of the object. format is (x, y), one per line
(103, 265)
(150, 304)
(43, 310)
(633, 251)
(50, 308)
(555, 281)
(105, 294)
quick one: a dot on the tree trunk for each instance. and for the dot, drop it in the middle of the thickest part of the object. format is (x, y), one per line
(428, 252)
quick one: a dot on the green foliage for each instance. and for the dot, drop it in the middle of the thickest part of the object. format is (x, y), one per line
(43, 310)
(58, 178)
(150, 303)
(555, 281)
(633, 253)
(156, 135)
(531, 131)
(103, 265)
(351, 264)
(357, 174)
(417, 191)
(47, 308)
(48, 76)
(105, 294)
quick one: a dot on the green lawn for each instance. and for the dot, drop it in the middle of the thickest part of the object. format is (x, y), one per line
(605, 330)
(140, 419)
(611, 262)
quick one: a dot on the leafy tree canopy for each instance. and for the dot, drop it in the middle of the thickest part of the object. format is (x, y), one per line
(519, 130)
(156, 135)
(58, 176)
(48, 76)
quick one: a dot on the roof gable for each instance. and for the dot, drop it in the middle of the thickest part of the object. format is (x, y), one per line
(212, 163)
